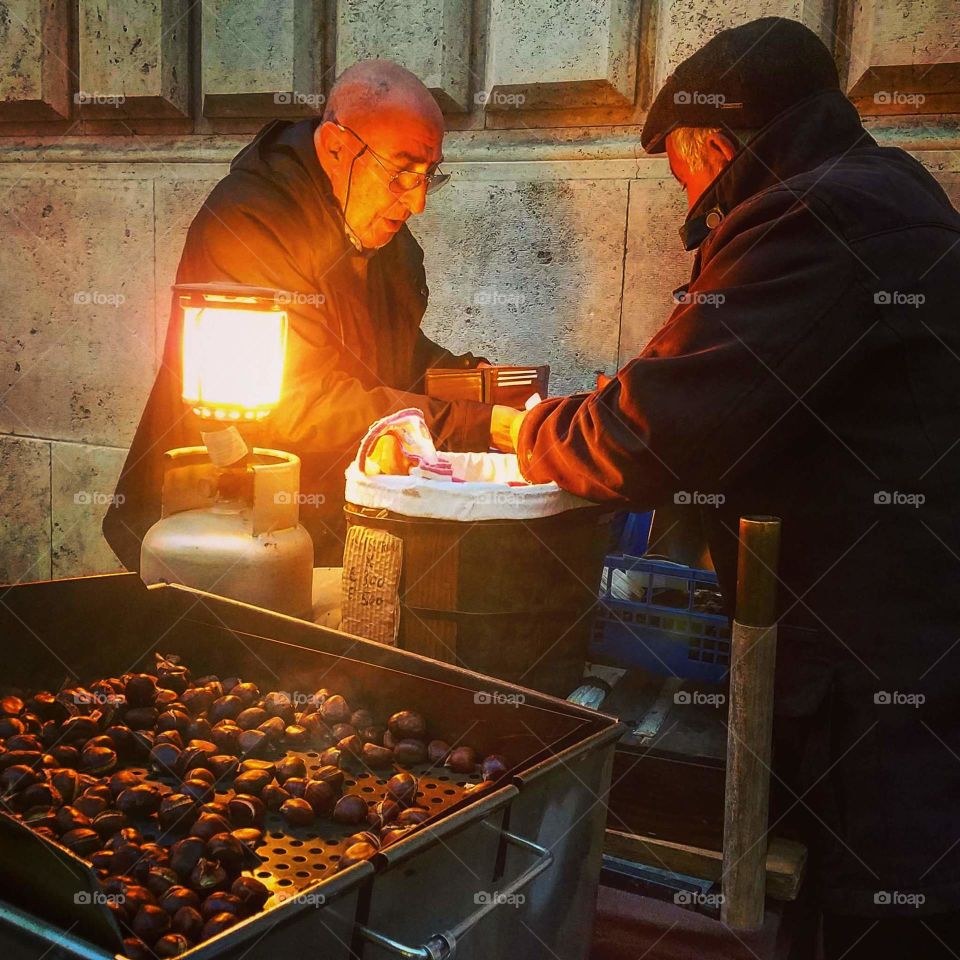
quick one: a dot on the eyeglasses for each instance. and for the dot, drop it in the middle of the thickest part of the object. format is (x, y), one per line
(403, 181)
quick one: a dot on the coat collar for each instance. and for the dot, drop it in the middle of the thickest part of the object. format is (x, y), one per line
(800, 138)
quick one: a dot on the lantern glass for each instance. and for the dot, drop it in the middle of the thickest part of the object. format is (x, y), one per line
(233, 358)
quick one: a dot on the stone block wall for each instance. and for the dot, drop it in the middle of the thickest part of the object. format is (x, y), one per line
(556, 240)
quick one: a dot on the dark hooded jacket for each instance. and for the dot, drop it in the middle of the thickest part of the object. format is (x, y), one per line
(811, 371)
(355, 351)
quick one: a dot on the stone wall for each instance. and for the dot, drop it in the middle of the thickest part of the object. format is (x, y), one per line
(555, 241)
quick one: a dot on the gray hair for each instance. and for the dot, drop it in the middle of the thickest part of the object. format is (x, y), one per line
(691, 142)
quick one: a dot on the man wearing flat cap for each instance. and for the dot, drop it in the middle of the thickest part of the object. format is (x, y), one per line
(811, 371)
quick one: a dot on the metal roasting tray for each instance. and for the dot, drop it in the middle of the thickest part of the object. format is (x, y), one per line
(517, 862)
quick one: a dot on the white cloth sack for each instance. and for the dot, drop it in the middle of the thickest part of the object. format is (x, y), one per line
(484, 494)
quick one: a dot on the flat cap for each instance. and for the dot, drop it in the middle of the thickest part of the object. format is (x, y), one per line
(741, 79)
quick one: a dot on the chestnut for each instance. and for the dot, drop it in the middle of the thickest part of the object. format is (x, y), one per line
(200, 728)
(198, 790)
(251, 763)
(364, 836)
(177, 810)
(109, 822)
(140, 689)
(331, 757)
(20, 758)
(102, 860)
(412, 816)
(27, 741)
(273, 796)
(137, 896)
(42, 819)
(250, 836)
(462, 760)
(217, 924)
(186, 853)
(493, 767)
(37, 795)
(11, 706)
(78, 729)
(161, 879)
(393, 834)
(251, 894)
(318, 733)
(351, 746)
(121, 780)
(296, 737)
(221, 902)
(295, 786)
(223, 766)
(125, 835)
(247, 811)
(356, 853)
(141, 800)
(225, 708)
(187, 920)
(251, 718)
(176, 897)
(279, 705)
(330, 774)
(125, 856)
(249, 693)
(173, 719)
(407, 725)
(402, 787)
(290, 767)
(371, 735)
(208, 825)
(224, 735)
(340, 731)
(196, 699)
(66, 782)
(165, 758)
(82, 841)
(410, 752)
(66, 755)
(228, 851)
(208, 876)
(98, 760)
(389, 740)
(350, 809)
(172, 674)
(252, 781)
(219, 807)
(166, 736)
(322, 796)
(141, 718)
(273, 729)
(382, 812)
(171, 945)
(335, 709)
(297, 812)
(135, 949)
(150, 923)
(201, 773)
(70, 818)
(10, 727)
(437, 751)
(252, 742)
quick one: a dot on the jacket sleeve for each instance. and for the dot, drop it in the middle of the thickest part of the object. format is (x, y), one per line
(429, 354)
(760, 327)
(330, 396)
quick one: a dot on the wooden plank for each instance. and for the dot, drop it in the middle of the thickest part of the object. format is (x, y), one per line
(786, 860)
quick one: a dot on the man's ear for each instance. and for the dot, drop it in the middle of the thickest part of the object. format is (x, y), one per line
(328, 139)
(723, 145)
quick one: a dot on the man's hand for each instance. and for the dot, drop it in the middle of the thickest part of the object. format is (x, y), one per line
(387, 458)
(505, 428)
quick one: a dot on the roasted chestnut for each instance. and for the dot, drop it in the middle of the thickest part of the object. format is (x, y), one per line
(66, 782)
(177, 811)
(410, 752)
(42, 818)
(407, 725)
(37, 795)
(273, 729)
(356, 853)
(246, 811)
(122, 780)
(251, 718)
(225, 708)
(340, 731)
(402, 787)
(166, 736)
(109, 822)
(98, 760)
(200, 728)
(295, 786)
(251, 743)
(279, 705)
(273, 796)
(208, 876)
(201, 773)
(224, 735)
(217, 924)
(125, 856)
(186, 853)
(140, 689)
(331, 757)
(177, 897)
(321, 795)
(171, 945)
(382, 812)
(437, 751)
(296, 737)
(125, 835)
(290, 767)
(82, 841)
(165, 758)
(219, 807)
(331, 774)
(228, 851)
(135, 949)
(102, 860)
(187, 920)
(161, 879)
(140, 801)
(393, 834)
(198, 790)
(141, 718)
(208, 825)
(173, 719)
(335, 709)
(249, 693)
(252, 781)
(350, 809)
(462, 760)
(70, 818)
(221, 902)
(250, 836)
(297, 812)
(222, 766)
(150, 923)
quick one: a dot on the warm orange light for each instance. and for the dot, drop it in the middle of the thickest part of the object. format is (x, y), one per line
(233, 356)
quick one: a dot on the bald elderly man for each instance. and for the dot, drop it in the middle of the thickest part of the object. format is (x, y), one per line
(320, 208)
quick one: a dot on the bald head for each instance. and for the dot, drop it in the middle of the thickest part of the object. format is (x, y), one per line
(376, 86)
(380, 120)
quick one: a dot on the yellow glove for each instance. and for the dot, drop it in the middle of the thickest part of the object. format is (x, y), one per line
(505, 428)
(387, 457)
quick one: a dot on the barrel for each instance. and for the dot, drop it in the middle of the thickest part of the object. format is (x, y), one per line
(510, 598)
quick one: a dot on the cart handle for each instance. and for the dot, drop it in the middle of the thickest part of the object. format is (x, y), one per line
(443, 945)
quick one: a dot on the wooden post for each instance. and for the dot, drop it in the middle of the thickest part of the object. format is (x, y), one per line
(750, 725)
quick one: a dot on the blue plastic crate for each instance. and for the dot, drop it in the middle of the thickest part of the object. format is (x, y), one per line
(671, 625)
